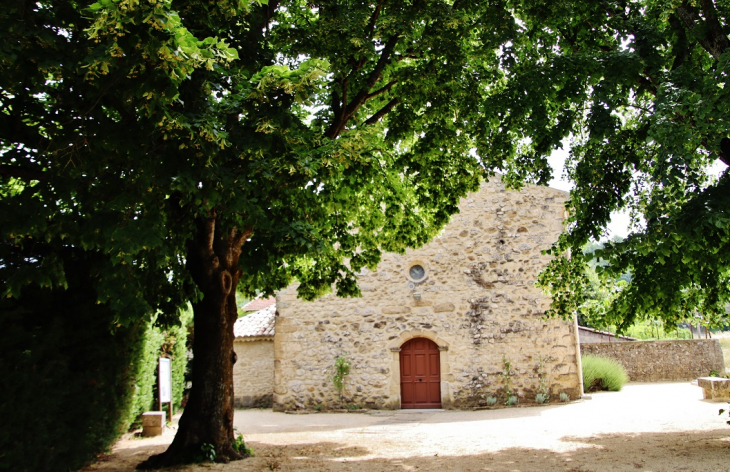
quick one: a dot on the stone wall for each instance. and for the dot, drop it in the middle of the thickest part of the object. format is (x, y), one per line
(253, 373)
(589, 335)
(477, 302)
(655, 361)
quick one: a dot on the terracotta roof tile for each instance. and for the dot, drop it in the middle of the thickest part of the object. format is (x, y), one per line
(256, 324)
(259, 304)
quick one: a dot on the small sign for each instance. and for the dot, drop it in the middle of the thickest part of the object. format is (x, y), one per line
(165, 380)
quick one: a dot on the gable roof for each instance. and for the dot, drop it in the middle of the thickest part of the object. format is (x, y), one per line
(259, 304)
(256, 325)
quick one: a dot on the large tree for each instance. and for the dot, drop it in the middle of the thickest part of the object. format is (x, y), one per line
(640, 91)
(195, 147)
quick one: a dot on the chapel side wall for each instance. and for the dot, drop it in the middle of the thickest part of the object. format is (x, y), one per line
(253, 373)
(478, 303)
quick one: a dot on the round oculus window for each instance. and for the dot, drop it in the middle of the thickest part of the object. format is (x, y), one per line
(417, 272)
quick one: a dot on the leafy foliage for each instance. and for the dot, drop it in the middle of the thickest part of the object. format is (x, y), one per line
(341, 370)
(67, 378)
(655, 329)
(602, 373)
(233, 133)
(507, 374)
(170, 342)
(239, 445)
(73, 381)
(146, 378)
(640, 90)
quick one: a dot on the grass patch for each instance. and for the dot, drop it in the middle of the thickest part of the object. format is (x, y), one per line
(602, 373)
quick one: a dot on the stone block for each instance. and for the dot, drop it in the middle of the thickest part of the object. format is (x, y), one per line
(715, 388)
(153, 422)
(444, 307)
(153, 418)
(396, 310)
(151, 431)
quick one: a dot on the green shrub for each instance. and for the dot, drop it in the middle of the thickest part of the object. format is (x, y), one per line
(160, 342)
(68, 373)
(146, 373)
(177, 340)
(65, 379)
(601, 373)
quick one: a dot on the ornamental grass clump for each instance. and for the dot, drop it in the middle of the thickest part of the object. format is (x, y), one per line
(601, 373)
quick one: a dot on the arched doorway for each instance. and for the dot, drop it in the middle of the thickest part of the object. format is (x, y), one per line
(420, 374)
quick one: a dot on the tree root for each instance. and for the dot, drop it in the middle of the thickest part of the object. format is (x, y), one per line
(189, 455)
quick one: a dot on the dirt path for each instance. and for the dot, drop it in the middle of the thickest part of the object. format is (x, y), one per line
(650, 427)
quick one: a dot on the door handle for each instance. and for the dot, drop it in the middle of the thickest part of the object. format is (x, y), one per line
(420, 380)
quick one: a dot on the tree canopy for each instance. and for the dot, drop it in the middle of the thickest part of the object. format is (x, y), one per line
(638, 88)
(323, 132)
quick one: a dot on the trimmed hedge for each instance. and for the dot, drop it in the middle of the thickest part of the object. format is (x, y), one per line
(66, 379)
(71, 380)
(602, 373)
(160, 342)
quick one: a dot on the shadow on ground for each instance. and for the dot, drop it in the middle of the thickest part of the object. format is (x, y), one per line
(680, 451)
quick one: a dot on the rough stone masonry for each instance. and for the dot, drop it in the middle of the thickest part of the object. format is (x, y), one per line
(471, 291)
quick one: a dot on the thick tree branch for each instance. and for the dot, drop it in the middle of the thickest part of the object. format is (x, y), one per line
(714, 40)
(336, 107)
(718, 39)
(207, 233)
(383, 111)
(349, 109)
(381, 90)
(385, 59)
(680, 48)
(374, 19)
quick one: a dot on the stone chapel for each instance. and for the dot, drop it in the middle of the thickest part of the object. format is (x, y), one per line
(457, 323)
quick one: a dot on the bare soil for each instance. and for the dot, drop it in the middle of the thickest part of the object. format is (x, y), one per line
(649, 427)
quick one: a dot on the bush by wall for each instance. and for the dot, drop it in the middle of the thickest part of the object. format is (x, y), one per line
(601, 373)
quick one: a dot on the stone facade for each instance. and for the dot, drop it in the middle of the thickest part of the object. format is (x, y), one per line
(656, 361)
(471, 291)
(253, 372)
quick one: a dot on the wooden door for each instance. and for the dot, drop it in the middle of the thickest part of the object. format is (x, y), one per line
(420, 374)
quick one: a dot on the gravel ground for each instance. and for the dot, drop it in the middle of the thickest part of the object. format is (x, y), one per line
(650, 427)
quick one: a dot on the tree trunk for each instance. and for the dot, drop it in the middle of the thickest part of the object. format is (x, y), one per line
(212, 260)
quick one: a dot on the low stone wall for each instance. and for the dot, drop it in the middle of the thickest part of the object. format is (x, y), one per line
(590, 335)
(656, 361)
(253, 373)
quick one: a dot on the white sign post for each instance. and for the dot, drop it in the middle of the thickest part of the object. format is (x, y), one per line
(164, 384)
